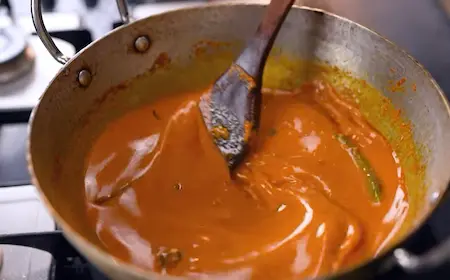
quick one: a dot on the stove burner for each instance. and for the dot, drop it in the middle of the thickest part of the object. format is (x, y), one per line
(16, 56)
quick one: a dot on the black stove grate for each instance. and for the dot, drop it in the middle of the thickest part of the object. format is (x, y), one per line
(68, 264)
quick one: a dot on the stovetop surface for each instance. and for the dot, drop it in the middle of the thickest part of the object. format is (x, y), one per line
(69, 265)
(420, 27)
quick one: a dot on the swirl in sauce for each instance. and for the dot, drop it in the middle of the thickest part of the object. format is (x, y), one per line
(297, 206)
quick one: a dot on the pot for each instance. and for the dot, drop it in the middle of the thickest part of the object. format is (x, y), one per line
(67, 117)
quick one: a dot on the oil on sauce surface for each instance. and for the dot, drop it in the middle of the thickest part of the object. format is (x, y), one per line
(298, 206)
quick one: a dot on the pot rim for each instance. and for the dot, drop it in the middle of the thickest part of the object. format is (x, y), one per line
(104, 257)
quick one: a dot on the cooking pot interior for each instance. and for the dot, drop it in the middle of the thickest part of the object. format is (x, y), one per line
(189, 49)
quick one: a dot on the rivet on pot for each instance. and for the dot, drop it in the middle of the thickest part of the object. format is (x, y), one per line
(84, 78)
(142, 43)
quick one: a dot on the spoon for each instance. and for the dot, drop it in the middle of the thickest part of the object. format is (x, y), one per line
(231, 108)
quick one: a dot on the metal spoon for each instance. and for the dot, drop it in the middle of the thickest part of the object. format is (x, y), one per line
(231, 109)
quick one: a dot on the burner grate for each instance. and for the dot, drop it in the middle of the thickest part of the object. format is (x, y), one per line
(67, 263)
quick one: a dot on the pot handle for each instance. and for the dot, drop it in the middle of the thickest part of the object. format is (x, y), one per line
(433, 258)
(36, 15)
(123, 11)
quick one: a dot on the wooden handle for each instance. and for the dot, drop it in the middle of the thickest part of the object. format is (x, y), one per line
(253, 58)
(274, 16)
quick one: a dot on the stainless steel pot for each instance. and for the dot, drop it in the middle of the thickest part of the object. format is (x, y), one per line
(78, 91)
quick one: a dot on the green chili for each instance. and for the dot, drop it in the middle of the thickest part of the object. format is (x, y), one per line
(373, 183)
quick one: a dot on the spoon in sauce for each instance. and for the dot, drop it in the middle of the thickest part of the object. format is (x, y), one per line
(231, 109)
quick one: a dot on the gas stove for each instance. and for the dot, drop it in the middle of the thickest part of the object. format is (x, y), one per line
(421, 27)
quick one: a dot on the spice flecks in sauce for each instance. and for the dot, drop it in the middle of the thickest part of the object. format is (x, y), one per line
(161, 61)
(398, 86)
(296, 207)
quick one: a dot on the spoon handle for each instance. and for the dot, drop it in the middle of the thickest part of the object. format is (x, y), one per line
(253, 58)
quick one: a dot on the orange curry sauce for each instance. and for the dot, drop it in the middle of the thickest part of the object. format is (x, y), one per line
(297, 206)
